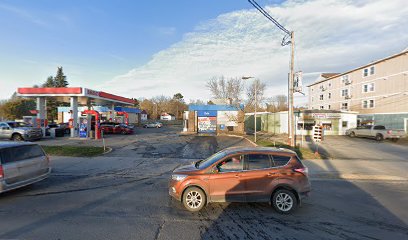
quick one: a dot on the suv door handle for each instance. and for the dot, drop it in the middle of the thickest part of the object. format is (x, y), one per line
(271, 174)
(237, 175)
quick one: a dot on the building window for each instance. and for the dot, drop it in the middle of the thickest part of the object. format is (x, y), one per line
(371, 103)
(321, 107)
(365, 72)
(368, 103)
(372, 70)
(329, 84)
(369, 87)
(368, 71)
(365, 104)
(312, 99)
(344, 106)
(321, 97)
(329, 107)
(344, 92)
(329, 96)
(345, 79)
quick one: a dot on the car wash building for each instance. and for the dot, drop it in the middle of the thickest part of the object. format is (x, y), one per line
(213, 119)
(82, 102)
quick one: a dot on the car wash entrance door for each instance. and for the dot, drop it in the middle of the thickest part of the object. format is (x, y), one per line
(207, 121)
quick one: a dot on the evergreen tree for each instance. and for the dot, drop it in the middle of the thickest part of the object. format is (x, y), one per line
(50, 82)
(60, 79)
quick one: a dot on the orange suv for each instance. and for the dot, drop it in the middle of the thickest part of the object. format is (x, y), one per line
(241, 174)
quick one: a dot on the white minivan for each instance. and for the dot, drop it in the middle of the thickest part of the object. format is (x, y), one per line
(22, 164)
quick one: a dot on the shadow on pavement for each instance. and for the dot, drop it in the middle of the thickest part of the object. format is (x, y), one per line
(336, 210)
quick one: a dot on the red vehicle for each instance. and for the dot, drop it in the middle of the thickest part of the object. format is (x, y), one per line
(243, 174)
(116, 128)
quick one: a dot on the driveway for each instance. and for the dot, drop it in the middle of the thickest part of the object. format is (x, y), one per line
(344, 147)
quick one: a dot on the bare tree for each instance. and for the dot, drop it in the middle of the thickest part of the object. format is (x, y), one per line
(196, 102)
(258, 87)
(222, 88)
(277, 103)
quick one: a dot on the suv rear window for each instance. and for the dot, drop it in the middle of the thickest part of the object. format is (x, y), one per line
(15, 154)
(280, 160)
(258, 161)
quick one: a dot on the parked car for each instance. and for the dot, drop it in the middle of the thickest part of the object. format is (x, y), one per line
(22, 164)
(65, 126)
(378, 132)
(153, 125)
(243, 174)
(19, 131)
(110, 127)
(60, 129)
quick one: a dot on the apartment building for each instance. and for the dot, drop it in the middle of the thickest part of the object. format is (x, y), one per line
(378, 91)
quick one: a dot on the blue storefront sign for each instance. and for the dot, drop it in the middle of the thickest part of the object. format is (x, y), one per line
(205, 113)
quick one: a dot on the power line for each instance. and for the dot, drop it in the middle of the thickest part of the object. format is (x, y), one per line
(285, 40)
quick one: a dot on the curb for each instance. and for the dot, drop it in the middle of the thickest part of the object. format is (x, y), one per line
(109, 150)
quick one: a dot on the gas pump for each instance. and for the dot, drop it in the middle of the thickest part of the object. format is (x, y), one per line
(126, 115)
(97, 123)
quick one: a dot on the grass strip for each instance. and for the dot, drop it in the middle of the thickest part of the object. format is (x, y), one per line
(73, 151)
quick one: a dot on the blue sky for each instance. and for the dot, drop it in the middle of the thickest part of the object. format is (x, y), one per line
(148, 48)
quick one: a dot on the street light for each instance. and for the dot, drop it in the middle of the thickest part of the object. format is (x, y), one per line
(256, 89)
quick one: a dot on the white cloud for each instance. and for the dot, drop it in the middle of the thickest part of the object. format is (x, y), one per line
(331, 36)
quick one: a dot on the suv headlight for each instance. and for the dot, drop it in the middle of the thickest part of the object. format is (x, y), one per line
(178, 177)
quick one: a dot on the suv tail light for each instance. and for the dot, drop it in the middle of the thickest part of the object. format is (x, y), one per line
(303, 170)
(1, 172)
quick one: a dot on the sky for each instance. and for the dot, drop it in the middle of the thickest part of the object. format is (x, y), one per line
(148, 48)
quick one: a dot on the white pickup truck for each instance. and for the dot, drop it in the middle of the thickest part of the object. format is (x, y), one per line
(378, 132)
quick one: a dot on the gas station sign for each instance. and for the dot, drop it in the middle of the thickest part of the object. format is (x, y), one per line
(90, 92)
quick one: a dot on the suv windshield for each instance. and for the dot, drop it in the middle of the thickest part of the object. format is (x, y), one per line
(17, 124)
(202, 164)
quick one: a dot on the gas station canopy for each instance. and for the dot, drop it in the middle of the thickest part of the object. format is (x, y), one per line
(75, 96)
(83, 94)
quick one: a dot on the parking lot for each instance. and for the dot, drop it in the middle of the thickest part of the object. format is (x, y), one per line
(124, 195)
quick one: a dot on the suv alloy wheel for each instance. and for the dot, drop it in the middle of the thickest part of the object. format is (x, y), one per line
(194, 199)
(284, 201)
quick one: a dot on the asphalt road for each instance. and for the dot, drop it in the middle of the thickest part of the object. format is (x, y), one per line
(124, 195)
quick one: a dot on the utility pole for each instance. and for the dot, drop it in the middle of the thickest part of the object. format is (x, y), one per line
(155, 115)
(291, 119)
(256, 102)
(291, 122)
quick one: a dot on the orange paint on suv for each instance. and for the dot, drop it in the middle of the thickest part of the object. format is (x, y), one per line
(242, 174)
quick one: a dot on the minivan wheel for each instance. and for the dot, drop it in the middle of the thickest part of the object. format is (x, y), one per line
(194, 199)
(379, 137)
(352, 134)
(284, 201)
(17, 137)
